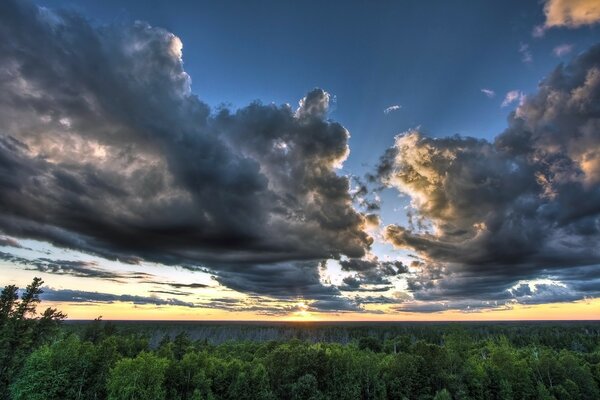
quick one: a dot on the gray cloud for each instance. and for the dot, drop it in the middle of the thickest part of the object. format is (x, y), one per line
(371, 275)
(387, 268)
(78, 296)
(105, 149)
(81, 269)
(279, 307)
(172, 292)
(281, 280)
(523, 207)
(180, 285)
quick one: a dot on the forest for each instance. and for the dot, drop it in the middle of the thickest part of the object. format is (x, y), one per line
(43, 357)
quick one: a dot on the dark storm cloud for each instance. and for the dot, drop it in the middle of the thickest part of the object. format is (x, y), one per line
(523, 207)
(376, 300)
(78, 296)
(334, 305)
(371, 275)
(282, 280)
(104, 149)
(388, 268)
(365, 198)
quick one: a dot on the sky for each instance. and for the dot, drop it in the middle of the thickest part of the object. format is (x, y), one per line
(302, 161)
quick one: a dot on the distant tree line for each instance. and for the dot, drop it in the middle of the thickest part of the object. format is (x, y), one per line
(41, 361)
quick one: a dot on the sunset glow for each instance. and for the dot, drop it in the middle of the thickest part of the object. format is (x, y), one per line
(395, 162)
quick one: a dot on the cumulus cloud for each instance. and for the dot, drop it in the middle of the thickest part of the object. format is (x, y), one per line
(513, 96)
(393, 108)
(571, 13)
(520, 208)
(105, 149)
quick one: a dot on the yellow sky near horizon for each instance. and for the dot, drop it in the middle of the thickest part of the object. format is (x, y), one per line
(588, 309)
(155, 287)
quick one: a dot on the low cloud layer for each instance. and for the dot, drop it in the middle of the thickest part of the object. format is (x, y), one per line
(105, 149)
(77, 268)
(523, 207)
(79, 296)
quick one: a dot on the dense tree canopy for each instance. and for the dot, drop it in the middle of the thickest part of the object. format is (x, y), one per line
(100, 360)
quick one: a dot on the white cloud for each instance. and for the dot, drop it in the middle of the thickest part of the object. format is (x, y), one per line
(562, 50)
(488, 92)
(513, 96)
(393, 108)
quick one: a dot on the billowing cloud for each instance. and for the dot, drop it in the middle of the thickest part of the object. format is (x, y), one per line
(571, 13)
(523, 207)
(105, 149)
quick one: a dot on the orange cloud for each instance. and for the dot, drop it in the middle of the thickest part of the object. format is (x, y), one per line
(571, 13)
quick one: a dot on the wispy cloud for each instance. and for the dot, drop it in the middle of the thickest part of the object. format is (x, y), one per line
(512, 96)
(538, 31)
(393, 108)
(488, 92)
(526, 55)
(79, 296)
(562, 50)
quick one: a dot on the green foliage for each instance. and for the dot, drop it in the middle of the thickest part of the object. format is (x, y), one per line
(370, 343)
(443, 394)
(68, 369)
(306, 388)
(139, 378)
(21, 330)
(99, 360)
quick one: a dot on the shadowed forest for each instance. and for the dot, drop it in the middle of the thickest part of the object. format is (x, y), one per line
(43, 357)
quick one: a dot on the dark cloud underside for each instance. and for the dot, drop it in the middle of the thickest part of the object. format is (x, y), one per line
(104, 149)
(524, 207)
